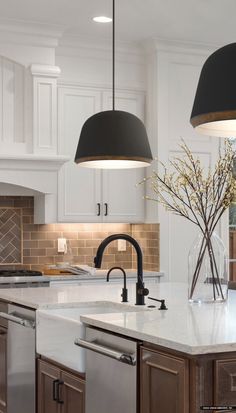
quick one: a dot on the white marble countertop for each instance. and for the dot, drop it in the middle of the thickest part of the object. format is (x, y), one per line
(99, 275)
(190, 328)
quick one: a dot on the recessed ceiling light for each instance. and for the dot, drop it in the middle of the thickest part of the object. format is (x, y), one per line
(102, 19)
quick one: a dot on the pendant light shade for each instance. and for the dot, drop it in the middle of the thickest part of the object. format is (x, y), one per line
(214, 108)
(113, 139)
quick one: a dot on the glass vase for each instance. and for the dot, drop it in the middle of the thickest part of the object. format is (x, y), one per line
(208, 269)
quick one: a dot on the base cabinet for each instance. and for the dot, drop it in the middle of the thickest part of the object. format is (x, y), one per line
(48, 376)
(73, 394)
(164, 383)
(58, 390)
(174, 382)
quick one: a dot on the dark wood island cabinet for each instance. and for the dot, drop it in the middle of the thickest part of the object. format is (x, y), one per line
(164, 382)
(170, 382)
(173, 382)
(59, 391)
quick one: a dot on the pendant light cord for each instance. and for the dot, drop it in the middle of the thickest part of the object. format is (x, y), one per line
(113, 54)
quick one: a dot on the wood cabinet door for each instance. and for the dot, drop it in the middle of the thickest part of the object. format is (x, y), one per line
(3, 369)
(73, 394)
(164, 383)
(48, 376)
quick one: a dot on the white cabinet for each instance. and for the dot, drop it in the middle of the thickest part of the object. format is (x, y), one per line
(79, 189)
(122, 198)
(87, 195)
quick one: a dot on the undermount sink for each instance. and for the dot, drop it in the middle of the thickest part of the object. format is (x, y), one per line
(57, 329)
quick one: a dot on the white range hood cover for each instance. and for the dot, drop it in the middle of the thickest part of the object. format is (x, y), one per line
(35, 175)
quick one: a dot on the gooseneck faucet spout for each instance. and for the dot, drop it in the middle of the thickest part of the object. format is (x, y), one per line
(141, 291)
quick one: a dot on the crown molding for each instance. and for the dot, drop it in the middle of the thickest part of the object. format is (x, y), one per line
(63, 82)
(85, 46)
(176, 46)
(33, 34)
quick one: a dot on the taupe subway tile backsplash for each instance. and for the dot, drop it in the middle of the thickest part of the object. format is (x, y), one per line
(40, 241)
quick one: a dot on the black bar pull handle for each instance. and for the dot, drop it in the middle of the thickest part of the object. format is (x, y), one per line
(99, 209)
(55, 390)
(106, 209)
(60, 383)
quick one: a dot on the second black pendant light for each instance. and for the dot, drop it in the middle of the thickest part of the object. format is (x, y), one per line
(214, 108)
(113, 139)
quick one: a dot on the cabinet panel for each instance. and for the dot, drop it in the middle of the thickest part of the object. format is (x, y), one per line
(73, 394)
(124, 199)
(79, 188)
(225, 382)
(83, 192)
(47, 374)
(70, 392)
(11, 104)
(164, 383)
(3, 369)
(177, 76)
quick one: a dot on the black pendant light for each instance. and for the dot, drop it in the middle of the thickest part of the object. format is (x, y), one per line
(214, 108)
(113, 139)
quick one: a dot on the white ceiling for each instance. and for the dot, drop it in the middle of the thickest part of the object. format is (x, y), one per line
(203, 21)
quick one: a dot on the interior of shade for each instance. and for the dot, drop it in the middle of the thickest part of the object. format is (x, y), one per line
(220, 128)
(114, 164)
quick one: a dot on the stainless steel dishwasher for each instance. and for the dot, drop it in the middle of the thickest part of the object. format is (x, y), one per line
(111, 372)
(20, 324)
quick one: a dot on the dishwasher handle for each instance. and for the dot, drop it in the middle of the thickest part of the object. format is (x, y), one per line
(23, 322)
(98, 348)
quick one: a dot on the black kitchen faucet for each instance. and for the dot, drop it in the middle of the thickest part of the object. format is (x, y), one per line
(141, 291)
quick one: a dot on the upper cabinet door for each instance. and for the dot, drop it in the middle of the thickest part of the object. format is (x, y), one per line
(79, 191)
(122, 199)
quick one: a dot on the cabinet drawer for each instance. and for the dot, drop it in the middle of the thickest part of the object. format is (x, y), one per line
(225, 382)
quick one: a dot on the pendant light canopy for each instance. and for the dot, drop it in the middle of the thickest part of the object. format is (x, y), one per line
(214, 108)
(113, 139)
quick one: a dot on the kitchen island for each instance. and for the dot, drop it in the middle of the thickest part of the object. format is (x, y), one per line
(187, 354)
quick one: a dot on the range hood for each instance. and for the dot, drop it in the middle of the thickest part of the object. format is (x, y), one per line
(30, 157)
(33, 175)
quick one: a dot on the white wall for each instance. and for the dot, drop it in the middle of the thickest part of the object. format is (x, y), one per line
(91, 64)
(172, 80)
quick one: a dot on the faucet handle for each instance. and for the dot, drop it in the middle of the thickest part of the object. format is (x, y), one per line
(143, 291)
(124, 295)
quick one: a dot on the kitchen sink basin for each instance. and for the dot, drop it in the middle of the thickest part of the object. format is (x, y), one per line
(57, 329)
